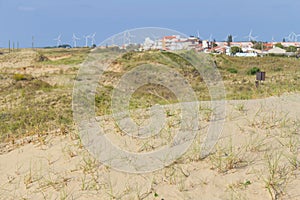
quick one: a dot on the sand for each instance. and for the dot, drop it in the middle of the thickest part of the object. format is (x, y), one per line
(257, 157)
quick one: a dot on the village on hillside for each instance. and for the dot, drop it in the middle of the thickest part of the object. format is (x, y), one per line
(249, 48)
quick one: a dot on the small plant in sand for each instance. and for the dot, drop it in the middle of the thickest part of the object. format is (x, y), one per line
(240, 107)
(278, 176)
(228, 158)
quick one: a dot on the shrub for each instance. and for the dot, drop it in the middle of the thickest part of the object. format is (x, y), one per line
(232, 70)
(19, 77)
(253, 71)
(41, 58)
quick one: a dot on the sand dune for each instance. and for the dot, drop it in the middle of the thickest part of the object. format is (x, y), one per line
(257, 157)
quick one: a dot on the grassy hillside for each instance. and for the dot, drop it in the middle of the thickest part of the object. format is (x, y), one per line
(282, 75)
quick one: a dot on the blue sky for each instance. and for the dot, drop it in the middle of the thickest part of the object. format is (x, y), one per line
(45, 19)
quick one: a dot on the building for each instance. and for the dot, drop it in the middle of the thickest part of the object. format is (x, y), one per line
(276, 50)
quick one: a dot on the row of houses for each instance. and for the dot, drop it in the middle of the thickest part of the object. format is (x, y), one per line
(176, 42)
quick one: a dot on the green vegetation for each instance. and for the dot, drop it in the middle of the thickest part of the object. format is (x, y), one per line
(21, 77)
(253, 71)
(62, 56)
(291, 49)
(232, 70)
(279, 45)
(235, 50)
(39, 100)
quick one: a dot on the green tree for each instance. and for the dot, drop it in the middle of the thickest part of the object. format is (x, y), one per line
(291, 49)
(235, 50)
(229, 39)
(279, 45)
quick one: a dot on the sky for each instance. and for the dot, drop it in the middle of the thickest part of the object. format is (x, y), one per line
(46, 19)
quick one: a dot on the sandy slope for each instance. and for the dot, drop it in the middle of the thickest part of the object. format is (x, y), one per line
(259, 150)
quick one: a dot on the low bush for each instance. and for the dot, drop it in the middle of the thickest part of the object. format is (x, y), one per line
(253, 71)
(232, 70)
(22, 77)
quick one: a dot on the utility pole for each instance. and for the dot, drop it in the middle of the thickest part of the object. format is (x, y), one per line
(32, 42)
(8, 46)
(18, 45)
(13, 46)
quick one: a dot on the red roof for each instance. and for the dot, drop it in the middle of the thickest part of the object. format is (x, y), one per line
(170, 37)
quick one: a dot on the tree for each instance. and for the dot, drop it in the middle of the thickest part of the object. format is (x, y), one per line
(229, 39)
(279, 45)
(235, 50)
(283, 40)
(258, 45)
(291, 49)
(214, 44)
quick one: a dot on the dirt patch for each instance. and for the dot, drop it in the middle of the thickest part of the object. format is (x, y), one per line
(60, 57)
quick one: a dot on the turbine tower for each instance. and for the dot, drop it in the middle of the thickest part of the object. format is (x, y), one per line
(58, 39)
(210, 38)
(126, 38)
(86, 37)
(198, 34)
(93, 41)
(233, 38)
(75, 38)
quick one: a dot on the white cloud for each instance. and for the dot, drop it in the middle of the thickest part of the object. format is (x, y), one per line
(26, 8)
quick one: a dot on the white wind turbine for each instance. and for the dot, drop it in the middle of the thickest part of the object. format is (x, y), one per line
(86, 37)
(288, 38)
(233, 38)
(210, 38)
(297, 35)
(58, 39)
(126, 38)
(293, 37)
(251, 37)
(198, 34)
(74, 38)
(93, 41)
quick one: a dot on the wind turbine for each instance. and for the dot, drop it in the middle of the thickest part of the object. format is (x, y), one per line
(294, 37)
(210, 38)
(288, 38)
(126, 37)
(86, 39)
(291, 37)
(112, 41)
(74, 38)
(93, 41)
(250, 37)
(198, 34)
(297, 35)
(233, 37)
(58, 39)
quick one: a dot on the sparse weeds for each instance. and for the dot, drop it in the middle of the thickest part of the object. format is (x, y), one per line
(257, 143)
(56, 182)
(240, 107)
(278, 175)
(89, 165)
(228, 158)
